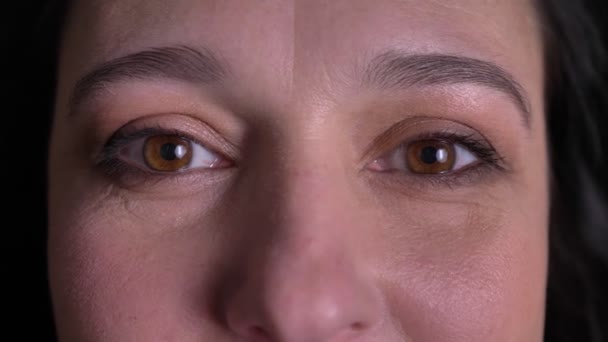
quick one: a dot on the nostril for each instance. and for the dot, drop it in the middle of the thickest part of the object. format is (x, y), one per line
(258, 332)
(357, 326)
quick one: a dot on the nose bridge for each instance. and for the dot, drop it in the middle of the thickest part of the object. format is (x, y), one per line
(315, 196)
(314, 213)
(314, 217)
(315, 177)
(314, 192)
(303, 281)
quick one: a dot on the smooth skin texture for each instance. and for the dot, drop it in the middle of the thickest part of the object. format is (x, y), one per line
(304, 233)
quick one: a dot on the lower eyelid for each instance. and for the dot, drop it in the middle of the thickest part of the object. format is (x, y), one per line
(210, 158)
(464, 157)
(469, 176)
(130, 156)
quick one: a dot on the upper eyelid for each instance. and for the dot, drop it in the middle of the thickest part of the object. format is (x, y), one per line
(192, 128)
(436, 135)
(462, 176)
(397, 134)
(118, 141)
(467, 141)
(127, 133)
(186, 124)
(488, 156)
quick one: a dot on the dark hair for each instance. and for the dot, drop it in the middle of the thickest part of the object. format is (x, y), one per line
(577, 299)
(575, 58)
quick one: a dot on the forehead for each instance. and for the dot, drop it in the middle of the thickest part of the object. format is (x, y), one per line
(330, 27)
(278, 43)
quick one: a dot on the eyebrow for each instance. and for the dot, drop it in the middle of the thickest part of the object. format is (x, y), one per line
(181, 63)
(394, 69)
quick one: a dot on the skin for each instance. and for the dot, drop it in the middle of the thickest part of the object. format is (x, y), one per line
(301, 237)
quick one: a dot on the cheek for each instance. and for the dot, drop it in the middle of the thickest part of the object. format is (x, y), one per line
(469, 272)
(125, 271)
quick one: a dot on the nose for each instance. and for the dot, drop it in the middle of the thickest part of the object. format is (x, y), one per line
(303, 300)
(305, 280)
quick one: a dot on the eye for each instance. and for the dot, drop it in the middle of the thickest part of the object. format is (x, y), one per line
(170, 153)
(430, 156)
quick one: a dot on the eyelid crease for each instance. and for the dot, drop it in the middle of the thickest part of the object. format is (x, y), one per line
(192, 128)
(395, 136)
(120, 139)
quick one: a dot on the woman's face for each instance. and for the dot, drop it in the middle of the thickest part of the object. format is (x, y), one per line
(299, 171)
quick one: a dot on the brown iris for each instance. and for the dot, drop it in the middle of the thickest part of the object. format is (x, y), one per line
(167, 153)
(430, 156)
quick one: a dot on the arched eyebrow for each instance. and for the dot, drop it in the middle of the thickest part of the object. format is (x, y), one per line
(180, 63)
(394, 69)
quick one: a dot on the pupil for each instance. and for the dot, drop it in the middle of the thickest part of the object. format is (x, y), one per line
(429, 155)
(167, 151)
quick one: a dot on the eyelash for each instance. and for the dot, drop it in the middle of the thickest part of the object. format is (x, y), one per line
(485, 152)
(109, 161)
(489, 158)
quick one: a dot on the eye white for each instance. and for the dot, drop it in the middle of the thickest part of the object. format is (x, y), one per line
(396, 160)
(202, 157)
(464, 157)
